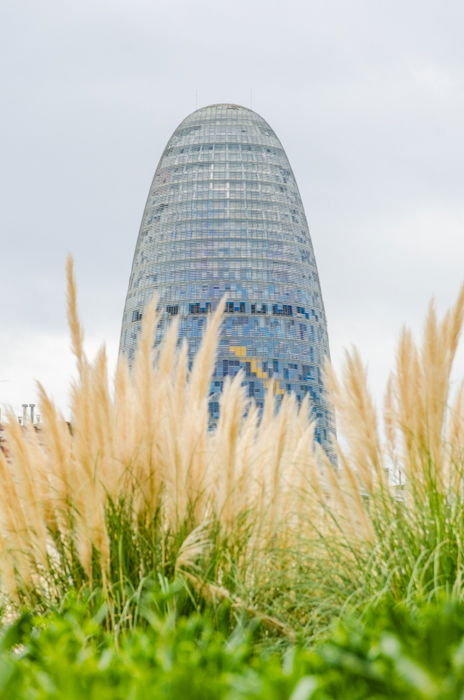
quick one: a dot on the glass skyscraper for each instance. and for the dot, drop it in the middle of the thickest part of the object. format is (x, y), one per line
(224, 217)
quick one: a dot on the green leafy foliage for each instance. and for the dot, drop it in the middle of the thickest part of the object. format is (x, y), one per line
(391, 653)
(396, 652)
(71, 655)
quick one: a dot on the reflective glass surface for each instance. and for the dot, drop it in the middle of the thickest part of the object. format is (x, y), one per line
(224, 217)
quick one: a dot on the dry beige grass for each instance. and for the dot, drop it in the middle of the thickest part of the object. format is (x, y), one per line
(144, 443)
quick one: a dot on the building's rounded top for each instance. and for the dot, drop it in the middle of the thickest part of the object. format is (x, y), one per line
(225, 112)
(224, 122)
(224, 106)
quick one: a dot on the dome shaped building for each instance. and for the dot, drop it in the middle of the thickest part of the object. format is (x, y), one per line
(224, 217)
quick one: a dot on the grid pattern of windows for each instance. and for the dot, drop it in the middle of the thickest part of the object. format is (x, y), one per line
(224, 217)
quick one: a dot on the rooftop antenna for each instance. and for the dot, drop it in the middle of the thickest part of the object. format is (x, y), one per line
(196, 98)
(251, 98)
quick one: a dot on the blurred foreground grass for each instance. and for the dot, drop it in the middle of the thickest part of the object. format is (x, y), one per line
(391, 653)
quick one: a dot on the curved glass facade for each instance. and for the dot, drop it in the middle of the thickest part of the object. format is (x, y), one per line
(224, 216)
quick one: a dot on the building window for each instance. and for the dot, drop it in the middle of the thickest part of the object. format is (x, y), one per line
(198, 308)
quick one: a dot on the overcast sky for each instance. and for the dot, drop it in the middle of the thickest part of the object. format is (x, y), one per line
(366, 96)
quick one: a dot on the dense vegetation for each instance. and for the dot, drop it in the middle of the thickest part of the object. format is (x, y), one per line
(140, 550)
(393, 653)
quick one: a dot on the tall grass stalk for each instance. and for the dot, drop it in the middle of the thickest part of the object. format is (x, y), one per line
(139, 489)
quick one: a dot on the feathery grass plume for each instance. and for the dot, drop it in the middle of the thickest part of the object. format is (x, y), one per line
(14, 524)
(196, 437)
(358, 421)
(30, 491)
(454, 439)
(75, 328)
(192, 549)
(205, 358)
(147, 468)
(390, 428)
(245, 457)
(224, 455)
